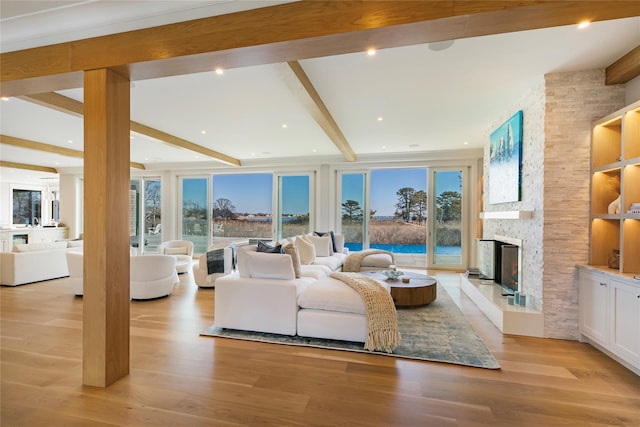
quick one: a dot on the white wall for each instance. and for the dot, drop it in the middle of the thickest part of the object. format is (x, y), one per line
(632, 91)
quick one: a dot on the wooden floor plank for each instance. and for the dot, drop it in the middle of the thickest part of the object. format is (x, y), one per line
(181, 378)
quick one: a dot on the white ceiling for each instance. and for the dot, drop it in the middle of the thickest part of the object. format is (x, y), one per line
(428, 100)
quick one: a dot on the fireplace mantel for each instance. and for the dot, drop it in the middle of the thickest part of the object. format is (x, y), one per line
(506, 215)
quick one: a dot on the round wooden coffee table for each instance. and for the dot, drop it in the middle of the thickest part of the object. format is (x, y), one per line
(420, 291)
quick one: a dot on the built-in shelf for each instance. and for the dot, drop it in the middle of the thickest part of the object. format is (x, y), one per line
(506, 215)
(615, 173)
(509, 319)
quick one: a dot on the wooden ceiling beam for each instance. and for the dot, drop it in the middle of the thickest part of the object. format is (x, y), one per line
(71, 106)
(287, 32)
(25, 166)
(624, 69)
(40, 146)
(52, 149)
(302, 88)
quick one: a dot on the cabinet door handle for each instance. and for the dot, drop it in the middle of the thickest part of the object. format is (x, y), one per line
(603, 284)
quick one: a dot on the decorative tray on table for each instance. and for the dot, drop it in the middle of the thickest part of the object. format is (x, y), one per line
(392, 274)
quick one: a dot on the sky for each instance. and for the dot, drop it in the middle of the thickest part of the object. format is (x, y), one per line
(252, 193)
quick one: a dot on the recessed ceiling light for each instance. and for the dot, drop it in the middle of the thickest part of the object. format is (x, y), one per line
(384, 147)
(70, 141)
(466, 143)
(5, 98)
(219, 71)
(584, 24)
(371, 52)
(380, 118)
(253, 154)
(284, 125)
(146, 159)
(203, 132)
(314, 151)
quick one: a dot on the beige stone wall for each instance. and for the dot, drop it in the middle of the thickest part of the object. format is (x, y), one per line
(558, 114)
(574, 100)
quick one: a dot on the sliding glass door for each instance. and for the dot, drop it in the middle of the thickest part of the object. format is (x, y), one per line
(145, 216)
(449, 225)
(194, 223)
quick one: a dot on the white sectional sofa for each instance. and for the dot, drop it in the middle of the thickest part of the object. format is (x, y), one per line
(35, 262)
(266, 295)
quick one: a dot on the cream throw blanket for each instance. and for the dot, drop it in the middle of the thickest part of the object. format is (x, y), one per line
(380, 312)
(352, 263)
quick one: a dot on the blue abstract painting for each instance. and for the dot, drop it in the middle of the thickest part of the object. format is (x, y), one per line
(505, 163)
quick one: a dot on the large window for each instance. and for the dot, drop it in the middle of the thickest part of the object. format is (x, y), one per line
(194, 222)
(242, 206)
(152, 213)
(146, 217)
(398, 216)
(353, 208)
(26, 206)
(293, 205)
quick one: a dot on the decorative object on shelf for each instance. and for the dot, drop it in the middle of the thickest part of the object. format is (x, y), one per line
(405, 280)
(614, 259)
(614, 207)
(505, 161)
(523, 300)
(392, 274)
(635, 208)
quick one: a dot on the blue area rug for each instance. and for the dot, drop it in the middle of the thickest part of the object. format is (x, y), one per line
(437, 332)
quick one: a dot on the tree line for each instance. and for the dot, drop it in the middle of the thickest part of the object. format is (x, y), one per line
(411, 206)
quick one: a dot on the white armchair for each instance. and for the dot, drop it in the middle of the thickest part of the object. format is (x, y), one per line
(215, 263)
(182, 250)
(152, 276)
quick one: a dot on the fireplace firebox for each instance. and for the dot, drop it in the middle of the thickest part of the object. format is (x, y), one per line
(499, 260)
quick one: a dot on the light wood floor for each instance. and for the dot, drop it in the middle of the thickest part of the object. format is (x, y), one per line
(178, 378)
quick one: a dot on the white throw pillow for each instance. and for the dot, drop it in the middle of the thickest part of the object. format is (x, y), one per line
(306, 250)
(264, 265)
(322, 245)
(292, 251)
(243, 263)
(176, 251)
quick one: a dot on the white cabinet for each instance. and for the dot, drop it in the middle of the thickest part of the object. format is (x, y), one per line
(610, 314)
(624, 326)
(594, 306)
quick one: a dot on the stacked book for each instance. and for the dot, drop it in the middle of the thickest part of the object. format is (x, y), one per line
(635, 208)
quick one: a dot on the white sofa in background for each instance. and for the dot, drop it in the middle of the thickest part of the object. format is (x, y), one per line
(35, 262)
(265, 295)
